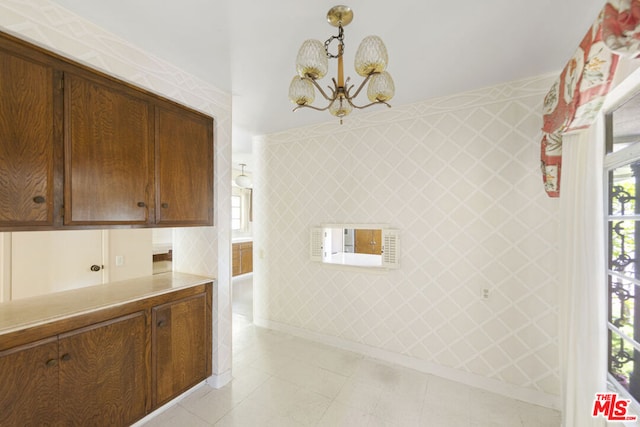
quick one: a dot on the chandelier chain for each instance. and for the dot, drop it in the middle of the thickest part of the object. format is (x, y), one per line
(340, 38)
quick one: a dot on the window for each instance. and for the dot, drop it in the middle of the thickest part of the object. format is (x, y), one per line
(236, 212)
(622, 177)
(241, 199)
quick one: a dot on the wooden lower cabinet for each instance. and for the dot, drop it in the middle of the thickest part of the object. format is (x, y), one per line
(92, 376)
(29, 384)
(104, 369)
(236, 266)
(103, 375)
(178, 332)
(242, 258)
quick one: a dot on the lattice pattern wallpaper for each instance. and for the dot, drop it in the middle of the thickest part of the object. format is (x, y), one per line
(460, 177)
(204, 250)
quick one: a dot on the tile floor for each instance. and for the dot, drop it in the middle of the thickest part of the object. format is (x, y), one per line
(280, 380)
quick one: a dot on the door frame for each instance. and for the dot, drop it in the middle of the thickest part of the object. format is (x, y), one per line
(5, 267)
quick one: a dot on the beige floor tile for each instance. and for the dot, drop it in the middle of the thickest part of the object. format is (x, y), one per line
(401, 409)
(278, 403)
(280, 381)
(340, 415)
(313, 378)
(359, 394)
(210, 407)
(176, 416)
(338, 361)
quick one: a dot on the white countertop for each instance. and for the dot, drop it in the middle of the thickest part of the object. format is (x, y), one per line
(29, 312)
(162, 248)
(242, 239)
(350, 258)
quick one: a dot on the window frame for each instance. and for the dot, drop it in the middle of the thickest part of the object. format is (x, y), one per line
(244, 195)
(234, 217)
(613, 160)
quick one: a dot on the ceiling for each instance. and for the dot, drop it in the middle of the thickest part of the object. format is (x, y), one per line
(436, 48)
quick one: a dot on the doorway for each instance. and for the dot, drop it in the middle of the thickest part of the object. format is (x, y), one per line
(44, 262)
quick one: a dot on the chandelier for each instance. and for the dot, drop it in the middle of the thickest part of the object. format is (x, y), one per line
(312, 64)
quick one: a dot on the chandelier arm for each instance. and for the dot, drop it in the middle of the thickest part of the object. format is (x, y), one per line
(368, 105)
(322, 92)
(364, 82)
(347, 92)
(313, 107)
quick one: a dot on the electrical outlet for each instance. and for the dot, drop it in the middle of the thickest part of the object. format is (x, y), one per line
(119, 260)
(485, 293)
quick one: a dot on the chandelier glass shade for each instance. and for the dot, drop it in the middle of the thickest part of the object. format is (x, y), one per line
(371, 56)
(312, 64)
(312, 60)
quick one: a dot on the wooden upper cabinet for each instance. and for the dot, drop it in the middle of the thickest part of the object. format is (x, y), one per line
(108, 153)
(27, 95)
(79, 148)
(184, 167)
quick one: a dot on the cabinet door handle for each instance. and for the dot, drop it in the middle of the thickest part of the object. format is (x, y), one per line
(51, 363)
(39, 199)
(164, 205)
(66, 357)
(141, 204)
(161, 323)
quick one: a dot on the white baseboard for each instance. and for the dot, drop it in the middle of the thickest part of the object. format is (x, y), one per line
(219, 381)
(214, 381)
(520, 393)
(168, 405)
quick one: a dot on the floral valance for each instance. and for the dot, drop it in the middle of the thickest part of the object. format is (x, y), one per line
(576, 97)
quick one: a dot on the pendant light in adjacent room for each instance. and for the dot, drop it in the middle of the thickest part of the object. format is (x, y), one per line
(242, 180)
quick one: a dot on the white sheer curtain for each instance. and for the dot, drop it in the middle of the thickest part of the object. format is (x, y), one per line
(582, 274)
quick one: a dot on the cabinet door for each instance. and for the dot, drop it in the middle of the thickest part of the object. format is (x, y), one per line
(108, 153)
(103, 373)
(29, 384)
(179, 347)
(368, 241)
(246, 257)
(184, 167)
(236, 260)
(26, 142)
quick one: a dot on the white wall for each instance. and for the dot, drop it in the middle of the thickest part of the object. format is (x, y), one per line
(135, 248)
(203, 250)
(43, 262)
(460, 177)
